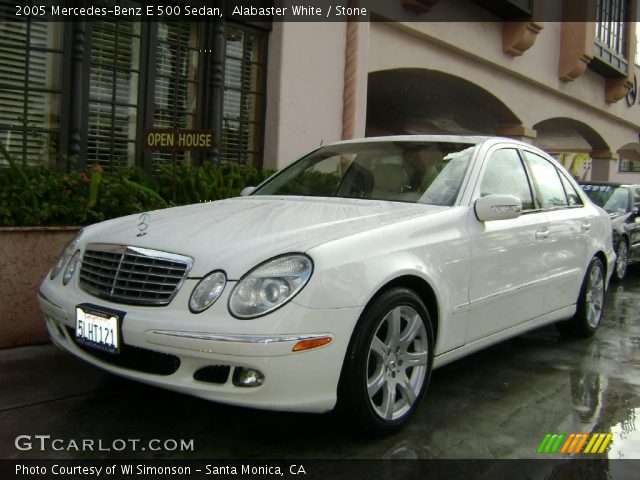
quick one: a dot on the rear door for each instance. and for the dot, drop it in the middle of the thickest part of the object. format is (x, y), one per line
(568, 249)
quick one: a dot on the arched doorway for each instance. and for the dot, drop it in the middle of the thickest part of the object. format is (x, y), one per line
(579, 147)
(412, 101)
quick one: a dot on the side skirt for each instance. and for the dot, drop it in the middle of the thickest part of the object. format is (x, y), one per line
(555, 316)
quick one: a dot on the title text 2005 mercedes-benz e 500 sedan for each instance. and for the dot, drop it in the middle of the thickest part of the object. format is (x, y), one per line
(342, 280)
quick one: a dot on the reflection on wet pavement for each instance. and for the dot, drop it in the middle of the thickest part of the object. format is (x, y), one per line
(626, 437)
(499, 403)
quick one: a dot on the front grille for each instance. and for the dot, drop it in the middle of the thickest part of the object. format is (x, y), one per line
(133, 358)
(132, 275)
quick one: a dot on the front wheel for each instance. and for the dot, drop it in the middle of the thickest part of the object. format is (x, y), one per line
(389, 362)
(590, 303)
(622, 260)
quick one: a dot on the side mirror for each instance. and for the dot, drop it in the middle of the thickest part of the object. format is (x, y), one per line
(247, 191)
(497, 207)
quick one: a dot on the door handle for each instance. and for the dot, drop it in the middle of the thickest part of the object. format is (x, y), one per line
(586, 226)
(542, 234)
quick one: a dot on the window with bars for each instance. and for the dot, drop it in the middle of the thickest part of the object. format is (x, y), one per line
(176, 80)
(30, 88)
(134, 75)
(626, 165)
(113, 92)
(611, 37)
(243, 96)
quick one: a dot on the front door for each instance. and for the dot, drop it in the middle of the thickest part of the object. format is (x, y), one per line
(508, 278)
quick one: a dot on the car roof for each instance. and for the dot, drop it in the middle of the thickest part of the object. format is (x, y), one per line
(471, 139)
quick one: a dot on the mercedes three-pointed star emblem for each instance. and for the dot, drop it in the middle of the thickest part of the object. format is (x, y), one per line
(143, 224)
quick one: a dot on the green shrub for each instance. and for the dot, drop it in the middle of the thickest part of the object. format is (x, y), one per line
(40, 196)
(207, 182)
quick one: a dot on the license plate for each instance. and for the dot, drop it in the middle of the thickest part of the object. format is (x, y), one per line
(98, 328)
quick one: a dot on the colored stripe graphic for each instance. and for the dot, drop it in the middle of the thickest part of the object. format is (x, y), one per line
(573, 443)
(567, 444)
(556, 445)
(551, 442)
(581, 442)
(606, 442)
(596, 447)
(598, 443)
(591, 442)
(543, 443)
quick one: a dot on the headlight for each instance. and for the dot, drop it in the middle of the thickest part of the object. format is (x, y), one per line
(72, 266)
(270, 285)
(207, 291)
(64, 257)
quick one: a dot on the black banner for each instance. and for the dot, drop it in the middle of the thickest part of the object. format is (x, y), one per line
(560, 469)
(267, 11)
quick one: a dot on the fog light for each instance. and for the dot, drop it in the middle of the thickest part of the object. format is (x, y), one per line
(247, 377)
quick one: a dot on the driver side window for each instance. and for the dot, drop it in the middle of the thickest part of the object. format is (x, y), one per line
(505, 175)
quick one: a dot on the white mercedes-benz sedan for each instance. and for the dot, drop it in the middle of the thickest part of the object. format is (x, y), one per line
(342, 280)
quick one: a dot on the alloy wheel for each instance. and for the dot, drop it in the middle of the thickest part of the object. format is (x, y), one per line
(594, 299)
(621, 261)
(397, 362)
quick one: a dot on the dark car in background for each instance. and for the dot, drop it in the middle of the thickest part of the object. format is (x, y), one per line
(622, 203)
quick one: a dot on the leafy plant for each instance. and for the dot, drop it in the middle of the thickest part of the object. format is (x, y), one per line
(207, 182)
(40, 196)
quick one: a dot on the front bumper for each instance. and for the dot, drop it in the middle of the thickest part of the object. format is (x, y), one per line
(304, 381)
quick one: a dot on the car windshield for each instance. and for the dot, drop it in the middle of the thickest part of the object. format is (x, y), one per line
(612, 198)
(415, 172)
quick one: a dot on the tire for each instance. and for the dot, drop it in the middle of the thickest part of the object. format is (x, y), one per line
(388, 364)
(622, 260)
(590, 303)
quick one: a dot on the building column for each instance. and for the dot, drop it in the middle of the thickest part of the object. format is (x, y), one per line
(354, 97)
(75, 135)
(516, 131)
(216, 88)
(603, 163)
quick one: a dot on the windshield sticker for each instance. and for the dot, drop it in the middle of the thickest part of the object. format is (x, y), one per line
(597, 188)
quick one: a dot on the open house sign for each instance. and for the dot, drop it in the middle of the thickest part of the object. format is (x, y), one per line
(163, 139)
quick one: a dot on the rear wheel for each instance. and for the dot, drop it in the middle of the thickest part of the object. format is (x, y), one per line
(622, 260)
(590, 303)
(389, 362)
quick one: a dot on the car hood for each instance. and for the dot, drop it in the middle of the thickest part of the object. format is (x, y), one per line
(238, 233)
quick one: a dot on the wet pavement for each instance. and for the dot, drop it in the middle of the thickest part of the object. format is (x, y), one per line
(498, 403)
